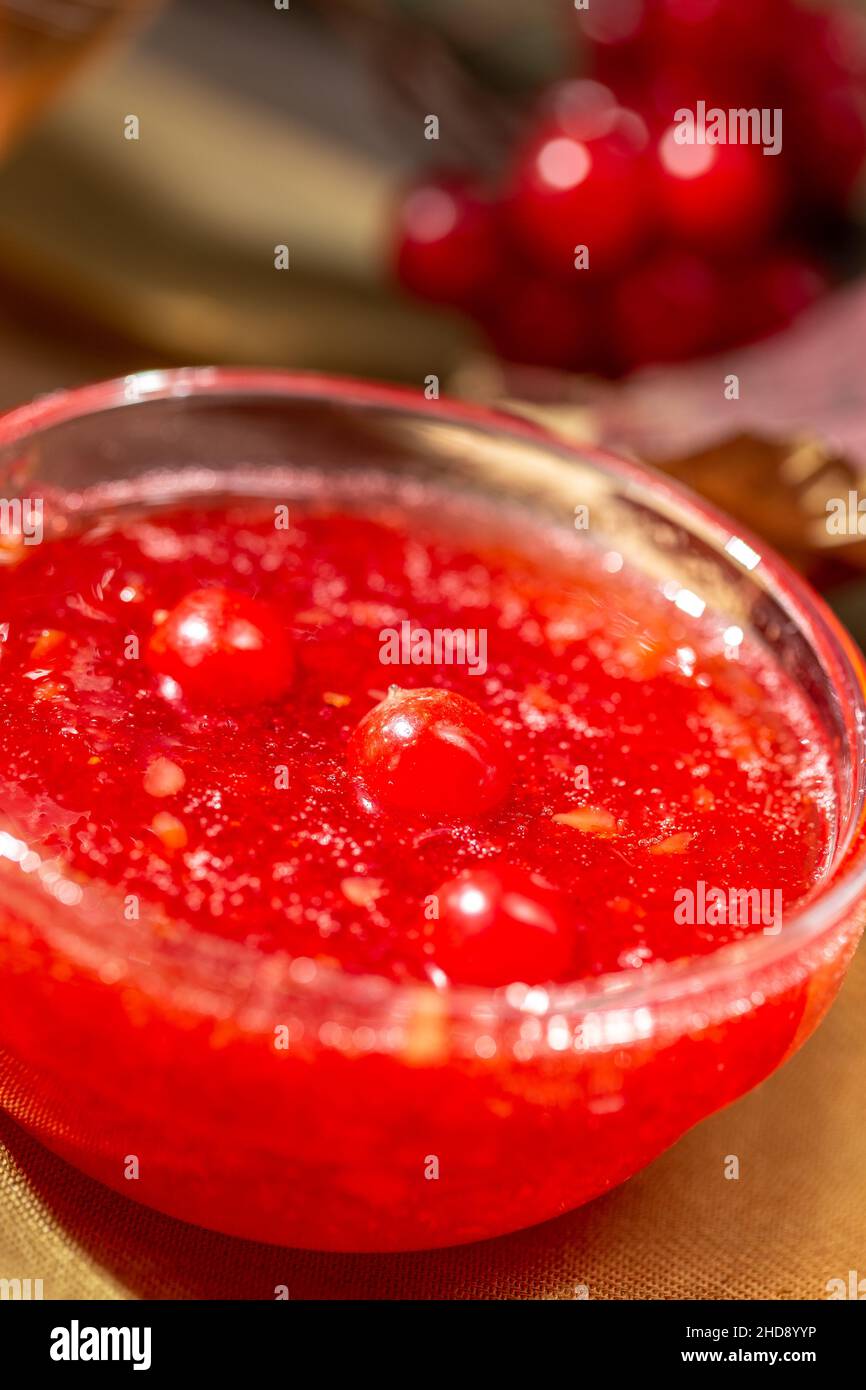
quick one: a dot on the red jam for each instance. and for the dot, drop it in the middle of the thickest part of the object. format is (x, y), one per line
(408, 743)
(611, 746)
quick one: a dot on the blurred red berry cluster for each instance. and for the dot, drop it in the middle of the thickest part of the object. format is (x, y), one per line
(610, 240)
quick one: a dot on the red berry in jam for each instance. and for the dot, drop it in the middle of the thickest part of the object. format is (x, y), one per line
(447, 245)
(498, 925)
(579, 181)
(430, 753)
(223, 648)
(716, 197)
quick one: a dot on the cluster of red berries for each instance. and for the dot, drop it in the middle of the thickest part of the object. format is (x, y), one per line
(429, 753)
(689, 247)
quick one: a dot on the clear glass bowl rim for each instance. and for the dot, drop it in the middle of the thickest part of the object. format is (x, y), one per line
(664, 983)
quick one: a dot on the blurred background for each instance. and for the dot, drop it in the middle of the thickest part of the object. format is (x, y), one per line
(430, 166)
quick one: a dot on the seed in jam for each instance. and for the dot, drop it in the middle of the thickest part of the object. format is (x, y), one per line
(432, 753)
(223, 648)
(500, 924)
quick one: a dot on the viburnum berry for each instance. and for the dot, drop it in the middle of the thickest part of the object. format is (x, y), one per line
(666, 309)
(431, 753)
(831, 148)
(544, 323)
(823, 60)
(766, 295)
(580, 180)
(612, 168)
(617, 35)
(716, 198)
(223, 648)
(497, 925)
(724, 51)
(447, 246)
(716, 33)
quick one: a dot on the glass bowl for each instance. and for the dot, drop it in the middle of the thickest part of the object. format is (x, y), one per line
(398, 1117)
